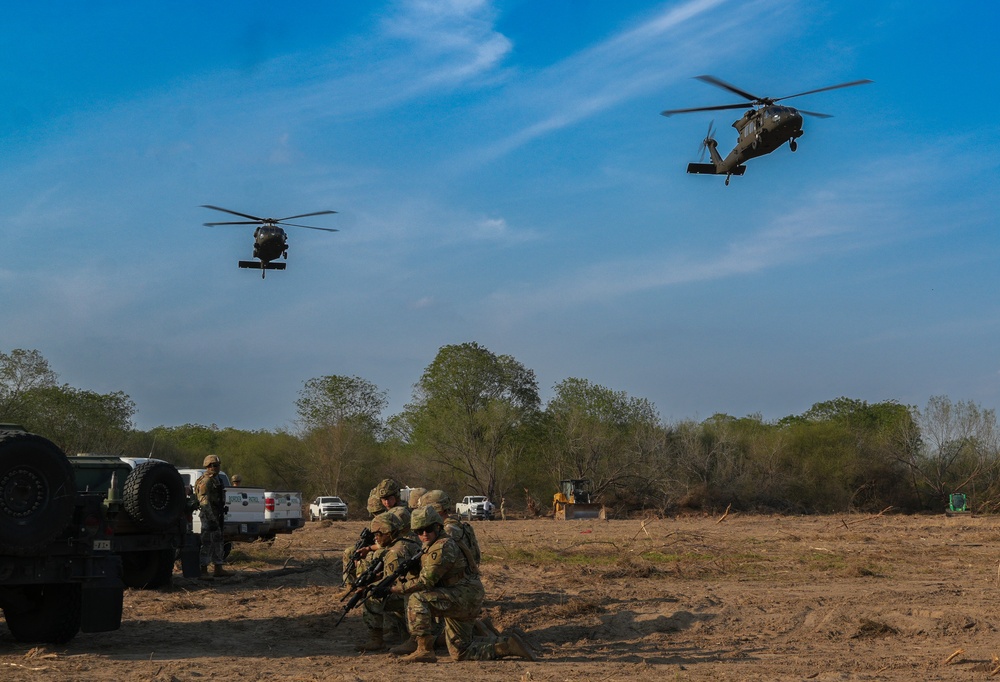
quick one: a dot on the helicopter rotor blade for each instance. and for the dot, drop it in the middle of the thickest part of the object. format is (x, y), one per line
(712, 80)
(242, 215)
(829, 87)
(303, 215)
(815, 114)
(310, 227)
(671, 112)
(238, 222)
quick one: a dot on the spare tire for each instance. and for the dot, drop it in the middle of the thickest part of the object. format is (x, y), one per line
(154, 495)
(37, 492)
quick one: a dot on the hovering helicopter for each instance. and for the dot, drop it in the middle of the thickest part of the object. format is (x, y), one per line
(763, 128)
(269, 240)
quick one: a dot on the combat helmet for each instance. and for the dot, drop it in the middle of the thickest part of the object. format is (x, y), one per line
(425, 516)
(211, 459)
(438, 499)
(374, 503)
(388, 487)
(386, 522)
(415, 494)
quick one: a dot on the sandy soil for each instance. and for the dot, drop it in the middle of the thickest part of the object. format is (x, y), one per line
(744, 598)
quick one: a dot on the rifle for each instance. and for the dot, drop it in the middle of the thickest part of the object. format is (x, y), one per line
(382, 588)
(361, 587)
(366, 539)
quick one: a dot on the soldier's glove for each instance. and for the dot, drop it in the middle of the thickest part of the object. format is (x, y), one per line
(382, 593)
(225, 510)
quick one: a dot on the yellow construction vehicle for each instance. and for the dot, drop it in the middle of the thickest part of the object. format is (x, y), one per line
(573, 501)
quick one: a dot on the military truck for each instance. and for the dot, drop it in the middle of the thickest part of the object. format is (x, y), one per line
(58, 572)
(147, 507)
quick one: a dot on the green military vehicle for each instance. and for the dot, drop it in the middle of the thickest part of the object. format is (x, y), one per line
(74, 531)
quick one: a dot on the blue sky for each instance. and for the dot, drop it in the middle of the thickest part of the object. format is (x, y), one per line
(501, 175)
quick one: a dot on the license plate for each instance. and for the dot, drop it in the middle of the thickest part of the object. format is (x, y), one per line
(243, 528)
(102, 545)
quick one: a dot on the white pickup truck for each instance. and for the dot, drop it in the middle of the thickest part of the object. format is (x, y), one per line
(328, 507)
(245, 517)
(282, 513)
(474, 507)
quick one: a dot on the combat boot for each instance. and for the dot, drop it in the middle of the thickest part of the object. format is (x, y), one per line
(205, 575)
(407, 647)
(425, 651)
(512, 645)
(375, 641)
(221, 572)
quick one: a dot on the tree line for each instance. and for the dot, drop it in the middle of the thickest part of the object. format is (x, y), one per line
(476, 425)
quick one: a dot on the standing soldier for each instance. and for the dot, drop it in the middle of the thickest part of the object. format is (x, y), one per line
(388, 493)
(396, 546)
(448, 587)
(212, 509)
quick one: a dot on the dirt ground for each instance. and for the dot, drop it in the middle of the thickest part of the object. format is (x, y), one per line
(692, 598)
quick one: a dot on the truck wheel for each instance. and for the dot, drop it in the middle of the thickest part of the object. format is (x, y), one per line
(45, 613)
(37, 492)
(148, 569)
(154, 495)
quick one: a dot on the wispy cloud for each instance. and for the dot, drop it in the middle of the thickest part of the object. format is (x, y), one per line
(676, 42)
(846, 216)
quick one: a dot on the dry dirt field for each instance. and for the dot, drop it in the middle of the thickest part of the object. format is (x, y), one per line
(692, 598)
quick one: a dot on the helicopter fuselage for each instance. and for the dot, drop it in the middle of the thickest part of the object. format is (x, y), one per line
(761, 132)
(269, 242)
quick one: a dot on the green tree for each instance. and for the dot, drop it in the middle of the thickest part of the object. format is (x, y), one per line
(959, 445)
(21, 371)
(342, 422)
(602, 435)
(470, 411)
(78, 420)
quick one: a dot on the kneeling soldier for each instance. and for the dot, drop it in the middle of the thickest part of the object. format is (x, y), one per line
(396, 545)
(448, 587)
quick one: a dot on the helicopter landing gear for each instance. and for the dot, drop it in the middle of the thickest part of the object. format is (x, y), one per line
(727, 179)
(793, 145)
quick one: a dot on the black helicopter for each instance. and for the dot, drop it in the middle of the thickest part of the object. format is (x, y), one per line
(269, 240)
(763, 128)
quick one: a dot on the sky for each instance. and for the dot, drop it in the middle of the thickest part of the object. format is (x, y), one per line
(501, 175)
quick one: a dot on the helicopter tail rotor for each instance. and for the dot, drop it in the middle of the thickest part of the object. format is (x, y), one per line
(709, 140)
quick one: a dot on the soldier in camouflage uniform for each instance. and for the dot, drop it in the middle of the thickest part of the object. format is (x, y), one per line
(211, 497)
(448, 587)
(388, 494)
(396, 546)
(457, 529)
(350, 568)
(414, 500)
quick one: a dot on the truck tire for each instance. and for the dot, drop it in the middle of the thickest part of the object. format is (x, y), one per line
(51, 613)
(148, 569)
(37, 492)
(154, 495)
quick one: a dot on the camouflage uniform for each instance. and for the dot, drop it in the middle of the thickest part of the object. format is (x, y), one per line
(458, 530)
(389, 614)
(350, 569)
(211, 497)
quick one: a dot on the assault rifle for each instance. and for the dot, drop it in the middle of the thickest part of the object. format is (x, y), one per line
(366, 539)
(361, 587)
(381, 589)
(366, 585)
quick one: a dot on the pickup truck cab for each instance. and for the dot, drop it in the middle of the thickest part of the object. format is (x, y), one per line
(245, 516)
(328, 507)
(282, 513)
